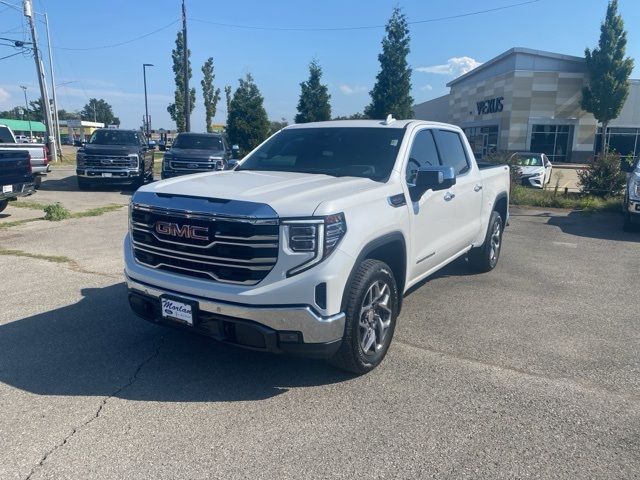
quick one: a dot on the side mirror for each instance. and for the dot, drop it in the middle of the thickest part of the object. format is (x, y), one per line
(235, 151)
(231, 163)
(433, 178)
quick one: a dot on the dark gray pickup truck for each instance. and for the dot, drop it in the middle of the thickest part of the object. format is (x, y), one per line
(16, 178)
(114, 156)
(195, 153)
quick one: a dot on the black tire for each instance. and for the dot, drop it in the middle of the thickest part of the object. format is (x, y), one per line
(3, 204)
(37, 182)
(83, 184)
(352, 356)
(627, 226)
(485, 257)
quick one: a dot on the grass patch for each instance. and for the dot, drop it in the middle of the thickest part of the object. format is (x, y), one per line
(55, 212)
(16, 223)
(48, 258)
(29, 204)
(551, 199)
(96, 212)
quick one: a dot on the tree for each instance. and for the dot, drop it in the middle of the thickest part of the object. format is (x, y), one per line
(210, 96)
(176, 109)
(392, 91)
(99, 111)
(64, 115)
(355, 116)
(227, 95)
(247, 123)
(608, 72)
(313, 105)
(275, 126)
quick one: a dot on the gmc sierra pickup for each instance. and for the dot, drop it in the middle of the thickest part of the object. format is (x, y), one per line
(308, 246)
(16, 179)
(37, 152)
(194, 153)
(114, 156)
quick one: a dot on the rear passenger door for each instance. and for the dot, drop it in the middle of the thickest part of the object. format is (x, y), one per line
(463, 201)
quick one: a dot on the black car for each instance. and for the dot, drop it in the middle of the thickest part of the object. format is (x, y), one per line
(114, 156)
(194, 153)
(16, 179)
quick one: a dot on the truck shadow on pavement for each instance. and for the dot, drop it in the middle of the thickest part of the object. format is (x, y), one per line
(97, 347)
(70, 184)
(603, 226)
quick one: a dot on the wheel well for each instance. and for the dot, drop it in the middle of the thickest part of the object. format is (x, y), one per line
(393, 254)
(501, 206)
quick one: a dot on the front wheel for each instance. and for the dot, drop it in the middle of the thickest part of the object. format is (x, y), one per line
(372, 309)
(485, 257)
(627, 226)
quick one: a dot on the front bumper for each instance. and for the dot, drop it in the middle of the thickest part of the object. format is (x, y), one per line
(116, 176)
(633, 207)
(536, 182)
(18, 190)
(282, 329)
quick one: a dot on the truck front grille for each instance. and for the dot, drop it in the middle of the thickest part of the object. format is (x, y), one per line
(195, 164)
(110, 162)
(226, 250)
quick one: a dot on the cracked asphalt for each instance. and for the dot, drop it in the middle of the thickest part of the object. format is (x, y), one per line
(530, 371)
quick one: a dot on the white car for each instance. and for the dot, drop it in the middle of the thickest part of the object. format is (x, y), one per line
(534, 168)
(22, 139)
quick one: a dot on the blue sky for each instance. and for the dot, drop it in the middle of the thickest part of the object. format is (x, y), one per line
(278, 60)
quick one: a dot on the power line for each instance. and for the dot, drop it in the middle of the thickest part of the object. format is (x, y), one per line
(126, 42)
(362, 27)
(12, 55)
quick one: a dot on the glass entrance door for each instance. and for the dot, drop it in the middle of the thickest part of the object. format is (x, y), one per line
(553, 140)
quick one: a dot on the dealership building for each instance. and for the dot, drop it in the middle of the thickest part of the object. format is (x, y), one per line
(529, 100)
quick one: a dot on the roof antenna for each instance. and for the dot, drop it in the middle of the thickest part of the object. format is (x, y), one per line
(389, 120)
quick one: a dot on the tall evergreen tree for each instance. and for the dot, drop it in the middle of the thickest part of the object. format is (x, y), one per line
(210, 95)
(608, 71)
(176, 109)
(247, 122)
(313, 105)
(392, 91)
(227, 95)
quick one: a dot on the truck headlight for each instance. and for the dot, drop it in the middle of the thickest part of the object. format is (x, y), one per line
(318, 236)
(133, 160)
(166, 161)
(80, 159)
(218, 162)
(634, 188)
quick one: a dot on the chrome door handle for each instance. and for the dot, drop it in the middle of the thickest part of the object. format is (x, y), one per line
(449, 196)
(477, 188)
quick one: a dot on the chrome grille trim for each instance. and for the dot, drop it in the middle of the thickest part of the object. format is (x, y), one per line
(109, 161)
(150, 249)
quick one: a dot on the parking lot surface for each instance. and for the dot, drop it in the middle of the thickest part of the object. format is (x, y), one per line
(530, 371)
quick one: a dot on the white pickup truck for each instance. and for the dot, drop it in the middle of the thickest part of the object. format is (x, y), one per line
(37, 151)
(309, 245)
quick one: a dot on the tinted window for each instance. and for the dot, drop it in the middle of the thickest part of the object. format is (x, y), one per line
(451, 150)
(5, 135)
(423, 154)
(199, 142)
(355, 152)
(115, 137)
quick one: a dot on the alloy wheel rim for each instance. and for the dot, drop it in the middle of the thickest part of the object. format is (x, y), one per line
(375, 317)
(495, 242)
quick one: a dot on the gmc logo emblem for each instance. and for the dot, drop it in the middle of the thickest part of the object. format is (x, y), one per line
(184, 231)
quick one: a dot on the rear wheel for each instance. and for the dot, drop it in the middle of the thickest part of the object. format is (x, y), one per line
(83, 184)
(485, 257)
(372, 309)
(37, 180)
(3, 204)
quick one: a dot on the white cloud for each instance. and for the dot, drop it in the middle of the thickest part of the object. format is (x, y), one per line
(349, 90)
(455, 67)
(426, 88)
(4, 98)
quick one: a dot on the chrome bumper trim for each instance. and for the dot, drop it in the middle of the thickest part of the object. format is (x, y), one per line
(314, 328)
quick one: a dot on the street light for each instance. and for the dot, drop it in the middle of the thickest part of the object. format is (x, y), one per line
(146, 106)
(26, 104)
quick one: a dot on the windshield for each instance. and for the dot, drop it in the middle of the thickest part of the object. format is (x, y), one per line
(5, 135)
(355, 152)
(199, 142)
(115, 137)
(529, 160)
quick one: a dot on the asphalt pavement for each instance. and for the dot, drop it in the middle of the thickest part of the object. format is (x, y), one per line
(530, 371)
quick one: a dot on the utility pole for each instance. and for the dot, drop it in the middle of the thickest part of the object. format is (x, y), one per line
(26, 104)
(28, 12)
(185, 68)
(56, 120)
(147, 121)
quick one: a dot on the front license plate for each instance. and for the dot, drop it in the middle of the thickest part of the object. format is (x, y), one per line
(107, 175)
(180, 311)
(7, 188)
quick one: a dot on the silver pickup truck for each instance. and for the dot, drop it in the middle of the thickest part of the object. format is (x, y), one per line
(37, 151)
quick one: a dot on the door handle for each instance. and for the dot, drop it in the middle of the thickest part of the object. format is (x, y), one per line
(477, 188)
(449, 196)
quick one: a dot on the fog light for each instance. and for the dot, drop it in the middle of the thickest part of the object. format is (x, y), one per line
(289, 337)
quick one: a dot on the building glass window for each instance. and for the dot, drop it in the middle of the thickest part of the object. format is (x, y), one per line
(553, 140)
(483, 140)
(625, 141)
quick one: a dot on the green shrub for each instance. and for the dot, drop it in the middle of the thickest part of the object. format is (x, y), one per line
(552, 199)
(55, 212)
(603, 177)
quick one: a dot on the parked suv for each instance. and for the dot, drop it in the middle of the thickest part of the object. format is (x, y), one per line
(309, 245)
(194, 153)
(632, 198)
(114, 156)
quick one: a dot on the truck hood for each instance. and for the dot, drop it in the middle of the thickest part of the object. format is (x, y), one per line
(289, 194)
(110, 149)
(195, 153)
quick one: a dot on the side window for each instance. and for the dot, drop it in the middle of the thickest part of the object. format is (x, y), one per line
(452, 151)
(423, 154)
